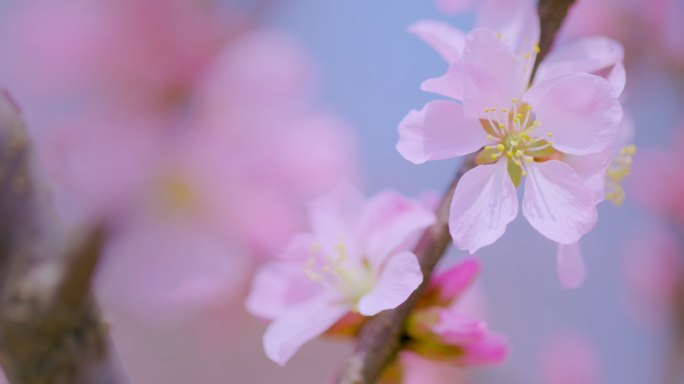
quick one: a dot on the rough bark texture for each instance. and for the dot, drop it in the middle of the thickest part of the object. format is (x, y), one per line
(380, 338)
(50, 329)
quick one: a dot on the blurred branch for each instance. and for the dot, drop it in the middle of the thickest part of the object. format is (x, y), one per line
(50, 329)
(380, 338)
(551, 16)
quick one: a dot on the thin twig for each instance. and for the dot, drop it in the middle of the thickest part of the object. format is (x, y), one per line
(380, 338)
(50, 329)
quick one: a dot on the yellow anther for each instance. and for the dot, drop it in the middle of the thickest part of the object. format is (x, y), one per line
(550, 143)
(502, 126)
(489, 137)
(529, 159)
(487, 148)
(529, 107)
(519, 116)
(517, 162)
(532, 140)
(514, 100)
(498, 34)
(505, 110)
(500, 147)
(515, 119)
(510, 154)
(524, 173)
(518, 152)
(486, 110)
(549, 134)
(493, 109)
(494, 156)
(514, 143)
(527, 55)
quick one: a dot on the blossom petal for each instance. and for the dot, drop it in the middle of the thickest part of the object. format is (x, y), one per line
(516, 20)
(580, 110)
(570, 266)
(484, 203)
(398, 279)
(442, 37)
(388, 220)
(493, 349)
(449, 85)
(617, 78)
(588, 55)
(492, 76)
(335, 214)
(288, 333)
(439, 131)
(557, 203)
(592, 170)
(454, 281)
(455, 328)
(277, 288)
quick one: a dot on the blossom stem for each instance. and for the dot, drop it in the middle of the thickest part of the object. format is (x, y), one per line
(379, 340)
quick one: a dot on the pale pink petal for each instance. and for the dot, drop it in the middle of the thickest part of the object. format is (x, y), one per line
(557, 203)
(439, 131)
(484, 203)
(288, 333)
(335, 214)
(455, 280)
(389, 219)
(449, 85)
(580, 110)
(493, 349)
(277, 288)
(453, 6)
(516, 20)
(400, 276)
(442, 37)
(592, 170)
(299, 248)
(492, 76)
(455, 328)
(588, 55)
(570, 266)
(617, 78)
(569, 358)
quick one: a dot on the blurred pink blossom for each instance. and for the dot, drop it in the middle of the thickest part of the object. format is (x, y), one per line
(657, 182)
(353, 260)
(569, 358)
(651, 267)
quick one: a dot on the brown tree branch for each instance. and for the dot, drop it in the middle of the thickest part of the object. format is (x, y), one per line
(380, 338)
(50, 329)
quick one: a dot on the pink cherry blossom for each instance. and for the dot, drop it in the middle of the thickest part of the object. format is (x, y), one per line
(498, 114)
(569, 358)
(565, 168)
(353, 260)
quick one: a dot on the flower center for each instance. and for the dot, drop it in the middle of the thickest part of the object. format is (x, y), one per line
(338, 272)
(514, 136)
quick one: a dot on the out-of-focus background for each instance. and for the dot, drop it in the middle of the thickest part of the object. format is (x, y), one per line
(370, 70)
